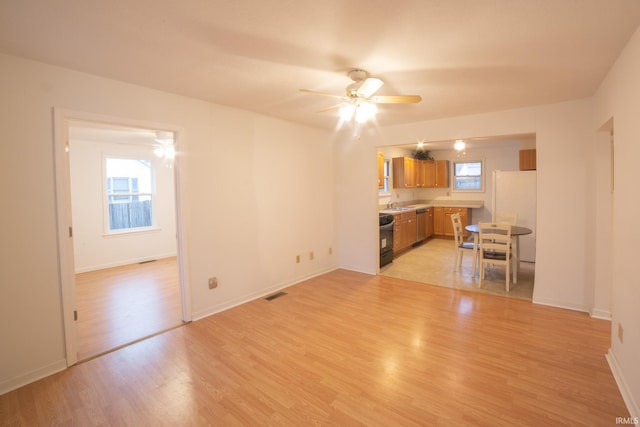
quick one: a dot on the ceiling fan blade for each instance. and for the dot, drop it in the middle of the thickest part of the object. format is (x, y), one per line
(333, 107)
(369, 87)
(313, 92)
(396, 99)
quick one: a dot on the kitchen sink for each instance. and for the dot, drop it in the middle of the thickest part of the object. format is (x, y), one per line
(400, 209)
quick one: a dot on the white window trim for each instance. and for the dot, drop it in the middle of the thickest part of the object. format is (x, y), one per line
(107, 232)
(482, 176)
(387, 178)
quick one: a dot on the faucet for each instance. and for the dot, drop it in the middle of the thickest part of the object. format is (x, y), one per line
(390, 204)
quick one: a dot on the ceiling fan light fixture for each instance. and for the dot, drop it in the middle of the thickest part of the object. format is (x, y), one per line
(365, 111)
(346, 112)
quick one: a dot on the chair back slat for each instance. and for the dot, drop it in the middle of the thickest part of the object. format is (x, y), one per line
(511, 218)
(457, 228)
(495, 236)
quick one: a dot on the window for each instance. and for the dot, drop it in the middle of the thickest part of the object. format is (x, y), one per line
(468, 176)
(129, 187)
(386, 173)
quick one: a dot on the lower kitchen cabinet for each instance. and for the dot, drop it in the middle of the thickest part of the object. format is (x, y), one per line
(430, 223)
(442, 220)
(404, 231)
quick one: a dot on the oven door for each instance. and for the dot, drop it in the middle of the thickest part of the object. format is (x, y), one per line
(386, 244)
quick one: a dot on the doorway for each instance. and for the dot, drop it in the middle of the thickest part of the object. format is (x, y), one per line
(121, 267)
(432, 261)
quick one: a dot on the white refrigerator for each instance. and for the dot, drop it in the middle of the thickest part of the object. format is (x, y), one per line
(515, 191)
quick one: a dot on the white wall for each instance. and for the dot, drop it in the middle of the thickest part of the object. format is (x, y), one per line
(93, 249)
(619, 99)
(255, 193)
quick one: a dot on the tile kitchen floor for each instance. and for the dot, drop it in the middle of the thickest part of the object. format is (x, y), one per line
(433, 263)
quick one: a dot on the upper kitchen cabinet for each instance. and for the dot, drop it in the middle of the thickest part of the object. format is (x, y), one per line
(404, 172)
(380, 170)
(441, 174)
(528, 160)
(411, 173)
(425, 173)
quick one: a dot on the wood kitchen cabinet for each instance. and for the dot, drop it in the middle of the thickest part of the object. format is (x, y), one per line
(527, 160)
(438, 217)
(442, 225)
(465, 218)
(441, 174)
(404, 231)
(430, 222)
(425, 173)
(404, 172)
(412, 173)
(380, 170)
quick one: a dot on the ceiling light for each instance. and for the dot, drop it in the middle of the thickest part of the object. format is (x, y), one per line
(359, 110)
(365, 111)
(459, 145)
(346, 112)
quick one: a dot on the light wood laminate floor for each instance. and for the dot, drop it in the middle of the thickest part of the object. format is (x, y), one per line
(433, 263)
(346, 349)
(119, 305)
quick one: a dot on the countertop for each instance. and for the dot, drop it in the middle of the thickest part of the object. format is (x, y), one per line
(468, 204)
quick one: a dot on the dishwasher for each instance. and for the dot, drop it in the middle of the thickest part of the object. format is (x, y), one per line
(421, 225)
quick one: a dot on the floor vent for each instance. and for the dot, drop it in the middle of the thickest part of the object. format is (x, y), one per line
(274, 296)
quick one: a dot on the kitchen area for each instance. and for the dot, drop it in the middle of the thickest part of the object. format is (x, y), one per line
(420, 189)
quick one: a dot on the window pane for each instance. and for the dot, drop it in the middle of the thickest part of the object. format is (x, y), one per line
(469, 169)
(467, 176)
(129, 198)
(129, 173)
(120, 185)
(130, 214)
(468, 183)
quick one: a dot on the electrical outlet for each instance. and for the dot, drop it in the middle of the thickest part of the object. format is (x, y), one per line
(620, 333)
(213, 282)
(297, 259)
(330, 251)
(311, 256)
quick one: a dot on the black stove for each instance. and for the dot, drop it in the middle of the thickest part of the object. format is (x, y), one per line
(386, 239)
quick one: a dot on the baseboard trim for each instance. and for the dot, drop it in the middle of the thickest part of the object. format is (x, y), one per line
(35, 375)
(121, 263)
(600, 314)
(560, 304)
(632, 405)
(257, 295)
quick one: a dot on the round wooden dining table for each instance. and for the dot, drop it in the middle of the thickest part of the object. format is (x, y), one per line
(516, 232)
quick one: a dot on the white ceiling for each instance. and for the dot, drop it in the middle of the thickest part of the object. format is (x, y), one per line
(461, 56)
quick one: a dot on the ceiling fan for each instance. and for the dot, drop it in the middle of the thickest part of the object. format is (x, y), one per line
(359, 100)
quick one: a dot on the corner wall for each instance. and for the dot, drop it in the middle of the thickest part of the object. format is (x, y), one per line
(618, 98)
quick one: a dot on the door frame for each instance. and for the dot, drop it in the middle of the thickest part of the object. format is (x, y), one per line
(61, 118)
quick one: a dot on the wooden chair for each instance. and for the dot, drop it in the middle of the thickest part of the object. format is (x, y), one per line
(511, 218)
(461, 244)
(495, 247)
